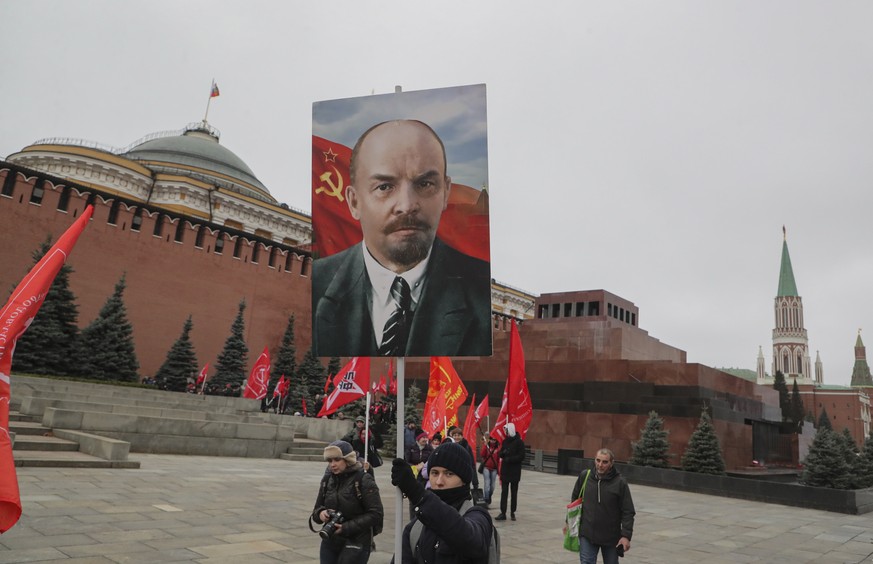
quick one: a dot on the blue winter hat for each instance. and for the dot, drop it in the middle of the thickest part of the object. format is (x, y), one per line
(453, 457)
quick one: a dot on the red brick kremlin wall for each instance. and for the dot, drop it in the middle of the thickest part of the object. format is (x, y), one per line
(166, 280)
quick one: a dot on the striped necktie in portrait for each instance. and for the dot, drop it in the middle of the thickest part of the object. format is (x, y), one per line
(396, 329)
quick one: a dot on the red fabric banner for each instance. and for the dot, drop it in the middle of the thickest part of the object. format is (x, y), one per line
(259, 378)
(433, 418)
(15, 318)
(392, 378)
(445, 381)
(351, 383)
(201, 379)
(516, 407)
(463, 226)
(470, 431)
(280, 385)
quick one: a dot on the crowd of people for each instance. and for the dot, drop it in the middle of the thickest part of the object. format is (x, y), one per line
(438, 478)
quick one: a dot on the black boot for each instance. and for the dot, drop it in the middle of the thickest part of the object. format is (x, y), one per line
(501, 517)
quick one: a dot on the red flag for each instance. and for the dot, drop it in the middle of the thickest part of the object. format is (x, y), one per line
(516, 407)
(464, 223)
(392, 379)
(350, 383)
(285, 387)
(305, 411)
(382, 386)
(214, 92)
(327, 383)
(443, 376)
(15, 318)
(434, 416)
(201, 379)
(471, 424)
(280, 385)
(259, 378)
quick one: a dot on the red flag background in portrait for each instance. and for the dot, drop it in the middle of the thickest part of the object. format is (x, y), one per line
(350, 383)
(463, 226)
(445, 381)
(516, 407)
(15, 317)
(259, 378)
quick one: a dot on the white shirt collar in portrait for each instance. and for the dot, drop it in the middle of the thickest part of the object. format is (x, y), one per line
(381, 279)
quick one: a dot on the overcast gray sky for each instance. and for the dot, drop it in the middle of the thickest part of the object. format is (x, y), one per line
(653, 149)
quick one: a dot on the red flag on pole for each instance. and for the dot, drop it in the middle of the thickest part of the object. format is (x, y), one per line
(444, 377)
(15, 318)
(471, 424)
(327, 383)
(280, 385)
(305, 411)
(516, 407)
(434, 415)
(350, 384)
(285, 387)
(259, 378)
(201, 379)
(392, 379)
(382, 386)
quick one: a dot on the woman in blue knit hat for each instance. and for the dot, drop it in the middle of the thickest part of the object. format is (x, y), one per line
(447, 527)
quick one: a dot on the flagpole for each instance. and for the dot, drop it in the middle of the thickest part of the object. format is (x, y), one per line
(367, 430)
(400, 424)
(209, 101)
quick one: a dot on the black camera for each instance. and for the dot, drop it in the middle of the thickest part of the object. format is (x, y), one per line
(329, 528)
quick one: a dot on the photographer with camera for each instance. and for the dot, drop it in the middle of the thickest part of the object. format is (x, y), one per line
(447, 527)
(348, 506)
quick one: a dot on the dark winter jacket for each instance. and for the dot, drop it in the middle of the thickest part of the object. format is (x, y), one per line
(448, 537)
(463, 442)
(512, 453)
(362, 509)
(414, 455)
(607, 509)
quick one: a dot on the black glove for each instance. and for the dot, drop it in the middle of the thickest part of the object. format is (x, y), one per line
(403, 478)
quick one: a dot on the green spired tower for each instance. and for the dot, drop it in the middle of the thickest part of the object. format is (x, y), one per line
(861, 372)
(790, 341)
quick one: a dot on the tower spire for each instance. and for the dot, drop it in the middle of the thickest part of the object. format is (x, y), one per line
(787, 286)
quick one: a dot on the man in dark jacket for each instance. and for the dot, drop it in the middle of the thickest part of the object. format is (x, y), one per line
(457, 435)
(511, 455)
(607, 512)
(447, 528)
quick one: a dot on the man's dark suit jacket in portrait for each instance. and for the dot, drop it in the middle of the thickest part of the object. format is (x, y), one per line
(453, 316)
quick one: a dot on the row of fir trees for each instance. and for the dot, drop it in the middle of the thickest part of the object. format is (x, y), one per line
(104, 350)
(703, 453)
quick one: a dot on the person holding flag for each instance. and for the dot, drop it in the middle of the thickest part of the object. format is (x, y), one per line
(511, 455)
(490, 463)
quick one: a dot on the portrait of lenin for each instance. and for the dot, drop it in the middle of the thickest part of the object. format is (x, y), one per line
(401, 290)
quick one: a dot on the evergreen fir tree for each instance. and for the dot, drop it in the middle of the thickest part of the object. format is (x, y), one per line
(703, 453)
(825, 465)
(105, 349)
(334, 366)
(862, 470)
(310, 382)
(410, 404)
(181, 363)
(780, 386)
(797, 411)
(824, 422)
(286, 358)
(231, 365)
(47, 345)
(651, 450)
(850, 449)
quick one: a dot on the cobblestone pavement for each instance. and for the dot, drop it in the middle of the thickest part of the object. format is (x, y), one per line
(241, 511)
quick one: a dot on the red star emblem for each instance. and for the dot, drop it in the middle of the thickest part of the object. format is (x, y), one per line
(329, 155)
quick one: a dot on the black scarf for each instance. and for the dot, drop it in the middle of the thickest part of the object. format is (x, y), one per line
(454, 496)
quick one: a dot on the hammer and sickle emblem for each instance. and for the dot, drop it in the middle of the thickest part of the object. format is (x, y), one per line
(336, 190)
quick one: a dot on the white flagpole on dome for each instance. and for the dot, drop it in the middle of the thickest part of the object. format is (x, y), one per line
(213, 92)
